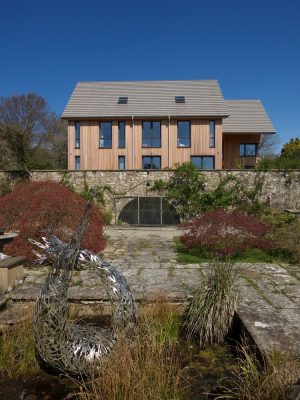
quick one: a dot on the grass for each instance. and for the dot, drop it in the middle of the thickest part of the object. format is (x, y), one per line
(198, 255)
(270, 379)
(208, 315)
(17, 355)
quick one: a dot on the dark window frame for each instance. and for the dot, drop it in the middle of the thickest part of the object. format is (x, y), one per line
(203, 156)
(119, 140)
(190, 136)
(212, 134)
(121, 169)
(111, 125)
(77, 125)
(151, 161)
(150, 138)
(244, 149)
(76, 159)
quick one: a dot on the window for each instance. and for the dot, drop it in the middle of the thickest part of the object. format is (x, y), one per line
(183, 134)
(212, 133)
(151, 162)
(77, 135)
(179, 99)
(203, 162)
(77, 163)
(248, 149)
(121, 162)
(105, 137)
(151, 134)
(121, 135)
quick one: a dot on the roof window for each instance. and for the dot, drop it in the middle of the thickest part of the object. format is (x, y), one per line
(179, 99)
(123, 100)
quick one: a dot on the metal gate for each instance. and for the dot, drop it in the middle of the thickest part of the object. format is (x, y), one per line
(148, 211)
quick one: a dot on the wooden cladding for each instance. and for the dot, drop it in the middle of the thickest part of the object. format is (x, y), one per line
(231, 150)
(94, 158)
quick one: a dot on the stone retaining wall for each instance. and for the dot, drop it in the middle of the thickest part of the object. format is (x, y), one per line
(280, 188)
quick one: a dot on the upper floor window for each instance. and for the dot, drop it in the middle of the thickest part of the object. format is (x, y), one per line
(77, 134)
(183, 134)
(248, 149)
(121, 135)
(121, 162)
(77, 163)
(151, 162)
(212, 133)
(151, 134)
(203, 162)
(105, 134)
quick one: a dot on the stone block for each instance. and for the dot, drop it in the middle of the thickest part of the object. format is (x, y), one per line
(11, 273)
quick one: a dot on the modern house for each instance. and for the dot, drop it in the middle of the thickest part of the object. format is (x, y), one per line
(158, 124)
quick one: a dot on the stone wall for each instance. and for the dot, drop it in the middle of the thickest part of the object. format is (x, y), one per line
(280, 188)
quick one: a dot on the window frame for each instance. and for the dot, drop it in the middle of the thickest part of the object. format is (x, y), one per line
(244, 149)
(190, 136)
(151, 162)
(119, 157)
(76, 159)
(119, 141)
(212, 135)
(77, 132)
(111, 125)
(204, 156)
(151, 147)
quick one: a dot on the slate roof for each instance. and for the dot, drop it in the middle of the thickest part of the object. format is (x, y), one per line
(247, 116)
(146, 99)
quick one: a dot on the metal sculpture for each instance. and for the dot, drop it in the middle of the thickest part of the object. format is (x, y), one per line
(61, 345)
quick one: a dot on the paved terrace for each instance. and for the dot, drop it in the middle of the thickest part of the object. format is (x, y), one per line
(269, 293)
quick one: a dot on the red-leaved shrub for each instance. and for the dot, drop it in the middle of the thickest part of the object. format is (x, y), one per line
(34, 207)
(225, 233)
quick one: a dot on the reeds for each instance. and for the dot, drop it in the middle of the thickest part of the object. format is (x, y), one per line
(209, 312)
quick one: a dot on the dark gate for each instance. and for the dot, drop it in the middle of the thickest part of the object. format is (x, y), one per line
(149, 211)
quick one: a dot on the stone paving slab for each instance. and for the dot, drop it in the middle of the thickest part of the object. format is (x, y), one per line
(269, 293)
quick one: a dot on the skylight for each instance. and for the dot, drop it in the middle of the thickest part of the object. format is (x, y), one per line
(179, 99)
(123, 100)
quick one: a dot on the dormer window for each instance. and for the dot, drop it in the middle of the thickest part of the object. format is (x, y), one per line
(179, 99)
(123, 100)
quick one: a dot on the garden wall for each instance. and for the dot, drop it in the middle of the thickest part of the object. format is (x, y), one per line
(280, 188)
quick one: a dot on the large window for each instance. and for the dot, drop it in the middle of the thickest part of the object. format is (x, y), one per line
(121, 135)
(105, 134)
(151, 134)
(121, 162)
(77, 163)
(248, 149)
(203, 162)
(151, 162)
(212, 134)
(183, 134)
(77, 134)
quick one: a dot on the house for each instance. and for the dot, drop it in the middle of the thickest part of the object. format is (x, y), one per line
(158, 124)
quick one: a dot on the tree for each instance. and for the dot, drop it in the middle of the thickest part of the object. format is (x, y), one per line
(31, 136)
(291, 149)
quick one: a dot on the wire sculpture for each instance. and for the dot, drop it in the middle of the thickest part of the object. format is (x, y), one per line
(63, 346)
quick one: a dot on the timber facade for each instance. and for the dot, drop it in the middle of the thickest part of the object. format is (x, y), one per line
(159, 124)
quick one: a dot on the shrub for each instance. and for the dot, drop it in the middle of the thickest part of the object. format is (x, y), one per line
(208, 315)
(287, 238)
(33, 208)
(275, 217)
(225, 233)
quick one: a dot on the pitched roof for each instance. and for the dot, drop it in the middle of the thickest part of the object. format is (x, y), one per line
(247, 116)
(146, 99)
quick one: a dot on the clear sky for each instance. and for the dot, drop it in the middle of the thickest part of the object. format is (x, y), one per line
(252, 47)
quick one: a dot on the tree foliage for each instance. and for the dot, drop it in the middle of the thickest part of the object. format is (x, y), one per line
(289, 157)
(35, 209)
(31, 136)
(291, 149)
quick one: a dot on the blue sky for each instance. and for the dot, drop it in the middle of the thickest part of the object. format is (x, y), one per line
(251, 47)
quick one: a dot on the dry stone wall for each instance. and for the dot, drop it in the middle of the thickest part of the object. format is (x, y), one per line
(280, 188)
